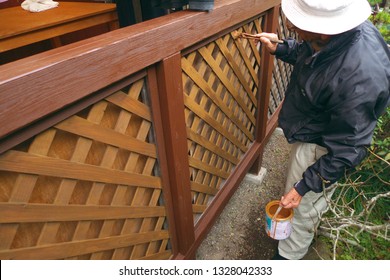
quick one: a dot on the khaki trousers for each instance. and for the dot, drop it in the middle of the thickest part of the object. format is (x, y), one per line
(309, 211)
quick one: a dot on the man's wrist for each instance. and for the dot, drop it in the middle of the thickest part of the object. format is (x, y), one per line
(301, 187)
(281, 49)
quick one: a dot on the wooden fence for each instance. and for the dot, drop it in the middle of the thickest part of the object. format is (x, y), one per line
(128, 145)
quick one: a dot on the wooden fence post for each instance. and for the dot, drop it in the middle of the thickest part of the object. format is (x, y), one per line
(265, 82)
(170, 90)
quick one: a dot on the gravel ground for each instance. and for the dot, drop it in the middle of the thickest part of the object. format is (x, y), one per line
(239, 232)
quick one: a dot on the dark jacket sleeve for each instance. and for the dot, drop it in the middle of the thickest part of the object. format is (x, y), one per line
(343, 155)
(288, 52)
(351, 123)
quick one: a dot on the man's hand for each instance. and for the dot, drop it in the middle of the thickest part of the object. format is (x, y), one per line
(264, 39)
(291, 199)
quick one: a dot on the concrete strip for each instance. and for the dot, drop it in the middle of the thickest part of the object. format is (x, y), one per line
(255, 179)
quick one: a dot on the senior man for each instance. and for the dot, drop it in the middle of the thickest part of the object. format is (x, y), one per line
(338, 89)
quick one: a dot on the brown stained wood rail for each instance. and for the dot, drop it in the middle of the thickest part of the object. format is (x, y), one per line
(74, 71)
(20, 27)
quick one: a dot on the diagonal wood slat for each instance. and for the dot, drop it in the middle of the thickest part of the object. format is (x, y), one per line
(67, 186)
(199, 139)
(203, 188)
(82, 127)
(24, 186)
(220, 84)
(66, 249)
(247, 59)
(236, 69)
(21, 213)
(21, 162)
(209, 91)
(205, 116)
(254, 29)
(130, 104)
(207, 168)
(207, 55)
(281, 72)
(165, 255)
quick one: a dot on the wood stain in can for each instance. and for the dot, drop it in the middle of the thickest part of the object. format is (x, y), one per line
(280, 227)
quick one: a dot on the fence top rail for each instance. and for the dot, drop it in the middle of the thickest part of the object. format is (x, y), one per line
(34, 87)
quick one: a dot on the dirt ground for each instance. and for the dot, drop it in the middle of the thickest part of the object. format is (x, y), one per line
(239, 232)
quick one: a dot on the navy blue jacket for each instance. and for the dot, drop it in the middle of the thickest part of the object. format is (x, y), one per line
(334, 99)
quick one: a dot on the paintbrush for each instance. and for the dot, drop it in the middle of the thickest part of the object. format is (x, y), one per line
(276, 213)
(248, 36)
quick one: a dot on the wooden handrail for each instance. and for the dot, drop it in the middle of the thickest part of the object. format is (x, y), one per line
(37, 86)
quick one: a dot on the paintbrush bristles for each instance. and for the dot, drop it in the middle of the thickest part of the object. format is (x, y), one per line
(236, 34)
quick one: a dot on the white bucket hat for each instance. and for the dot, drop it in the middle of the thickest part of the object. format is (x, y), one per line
(326, 16)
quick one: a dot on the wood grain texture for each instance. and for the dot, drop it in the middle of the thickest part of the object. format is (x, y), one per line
(82, 127)
(11, 23)
(21, 213)
(25, 163)
(66, 249)
(121, 179)
(81, 181)
(26, 95)
(170, 88)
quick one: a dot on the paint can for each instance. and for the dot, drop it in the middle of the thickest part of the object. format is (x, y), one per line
(281, 226)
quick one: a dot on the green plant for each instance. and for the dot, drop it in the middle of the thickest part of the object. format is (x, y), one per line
(357, 222)
(381, 18)
(382, 22)
(374, 2)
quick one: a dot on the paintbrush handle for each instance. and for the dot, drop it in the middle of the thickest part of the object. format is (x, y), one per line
(276, 40)
(276, 213)
(252, 36)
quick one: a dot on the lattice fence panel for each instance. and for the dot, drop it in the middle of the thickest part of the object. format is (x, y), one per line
(220, 82)
(88, 188)
(281, 73)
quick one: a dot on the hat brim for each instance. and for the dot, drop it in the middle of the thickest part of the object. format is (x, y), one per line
(324, 22)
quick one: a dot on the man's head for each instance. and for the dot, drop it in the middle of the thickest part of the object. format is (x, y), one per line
(316, 40)
(328, 17)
